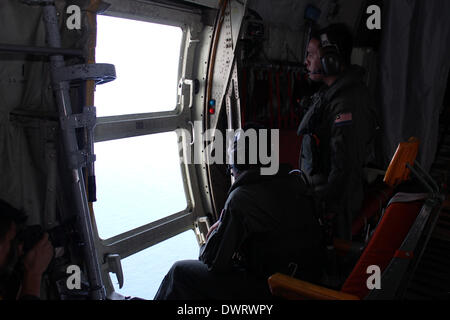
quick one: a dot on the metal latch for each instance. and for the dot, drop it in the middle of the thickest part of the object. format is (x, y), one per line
(201, 228)
(115, 266)
(81, 158)
(194, 87)
(86, 119)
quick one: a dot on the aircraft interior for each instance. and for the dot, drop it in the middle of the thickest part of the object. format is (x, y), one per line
(104, 105)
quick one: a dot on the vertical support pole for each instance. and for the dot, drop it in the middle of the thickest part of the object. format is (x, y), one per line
(61, 90)
(90, 88)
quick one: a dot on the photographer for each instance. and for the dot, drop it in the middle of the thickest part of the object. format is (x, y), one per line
(26, 283)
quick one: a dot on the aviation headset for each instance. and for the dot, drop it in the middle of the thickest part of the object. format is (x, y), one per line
(236, 148)
(330, 56)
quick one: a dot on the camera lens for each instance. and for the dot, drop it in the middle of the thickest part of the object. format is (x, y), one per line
(30, 236)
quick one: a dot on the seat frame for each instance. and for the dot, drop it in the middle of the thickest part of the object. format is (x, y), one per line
(396, 275)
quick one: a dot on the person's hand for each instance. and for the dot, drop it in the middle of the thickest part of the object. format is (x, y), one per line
(215, 225)
(212, 228)
(35, 263)
(38, 258)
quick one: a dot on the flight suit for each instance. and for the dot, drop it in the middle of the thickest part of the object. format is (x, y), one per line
(268, 226)
(337, 135)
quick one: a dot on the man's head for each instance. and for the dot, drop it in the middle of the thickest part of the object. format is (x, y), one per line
(10, 221)
(329, 52)
(250, 150)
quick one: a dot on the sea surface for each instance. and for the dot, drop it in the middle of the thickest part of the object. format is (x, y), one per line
(139, 178)
(144, 271)
(139, 181)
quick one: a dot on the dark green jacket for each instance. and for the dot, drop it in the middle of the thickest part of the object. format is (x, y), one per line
(268, 224)
(337, 135)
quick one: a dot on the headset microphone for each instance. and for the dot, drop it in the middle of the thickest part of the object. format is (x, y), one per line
(306, 71)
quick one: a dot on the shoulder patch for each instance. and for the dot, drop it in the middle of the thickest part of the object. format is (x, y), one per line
(343, 119)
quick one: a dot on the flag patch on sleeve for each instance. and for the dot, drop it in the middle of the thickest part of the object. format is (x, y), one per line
(343, 119)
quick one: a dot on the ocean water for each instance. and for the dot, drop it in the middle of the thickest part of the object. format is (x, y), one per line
(144, 271)
(139, 179)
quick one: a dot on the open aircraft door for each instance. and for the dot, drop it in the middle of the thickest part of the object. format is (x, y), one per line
(152, 178)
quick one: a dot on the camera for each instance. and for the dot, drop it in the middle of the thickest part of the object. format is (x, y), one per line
(31, 235)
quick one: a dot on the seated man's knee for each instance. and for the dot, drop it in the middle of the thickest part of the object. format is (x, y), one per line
(181, 269)
(177, 269)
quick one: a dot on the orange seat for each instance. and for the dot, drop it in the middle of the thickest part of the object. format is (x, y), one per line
(374, 202)
(388, 237)
(377, 197)
(382, 248)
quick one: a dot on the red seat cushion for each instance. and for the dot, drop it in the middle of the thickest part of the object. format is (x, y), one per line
(375, 200)
(388, 237)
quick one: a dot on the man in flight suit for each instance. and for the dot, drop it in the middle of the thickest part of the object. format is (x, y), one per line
(337, 130)
(267, 226)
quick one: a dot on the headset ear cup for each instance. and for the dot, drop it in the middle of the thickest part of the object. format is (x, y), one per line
(331, 61)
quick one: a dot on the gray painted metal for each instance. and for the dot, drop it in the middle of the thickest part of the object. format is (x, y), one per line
(100, 72)
(113, 261)
(226, 50)
(61, 90)
(124, 127)
(133, 241)
(193, 65)
(207, 3)
(40, 50)
(154, 12)
(222, 73)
